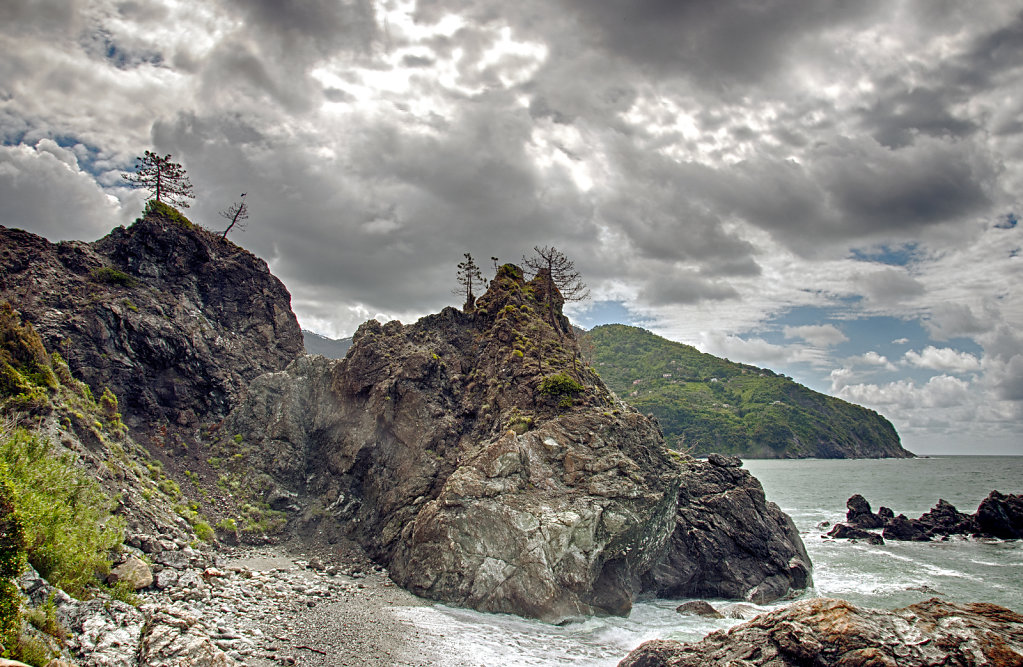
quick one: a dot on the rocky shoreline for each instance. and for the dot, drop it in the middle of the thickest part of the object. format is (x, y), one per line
(252, 606)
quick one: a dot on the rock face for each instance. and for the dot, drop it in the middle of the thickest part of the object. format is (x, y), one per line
(729, 542)
(486, 466)
(827, 632)
(173, 319)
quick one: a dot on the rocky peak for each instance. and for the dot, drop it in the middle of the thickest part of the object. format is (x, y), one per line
(485, 465)
(170, 316)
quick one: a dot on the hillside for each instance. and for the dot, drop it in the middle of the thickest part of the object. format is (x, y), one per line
(332, 348)
(707, 404)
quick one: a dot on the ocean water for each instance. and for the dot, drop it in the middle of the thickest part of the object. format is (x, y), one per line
(811, 492)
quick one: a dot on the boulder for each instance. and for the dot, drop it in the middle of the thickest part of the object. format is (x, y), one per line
(944, 519)
(843, 531)
(135, 571)
(903, 529)
(698, 608)
(1001, 516)
(859, 513)
(825, 632)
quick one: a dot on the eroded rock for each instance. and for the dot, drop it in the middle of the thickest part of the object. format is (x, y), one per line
(825, 632)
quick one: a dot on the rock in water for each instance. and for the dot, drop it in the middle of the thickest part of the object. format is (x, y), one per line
(828, 632)
(860, 515)
(728, 541)
(478, 458)
(1001, 515)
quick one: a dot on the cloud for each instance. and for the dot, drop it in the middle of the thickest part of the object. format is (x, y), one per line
(821, 335)
(872, 358)
(889, 286)
(941, 391)
(943, 359)
(43, 190)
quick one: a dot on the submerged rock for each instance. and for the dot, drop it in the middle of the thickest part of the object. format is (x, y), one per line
(825, 632)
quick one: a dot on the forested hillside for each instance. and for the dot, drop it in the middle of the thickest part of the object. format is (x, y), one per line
(707, 404)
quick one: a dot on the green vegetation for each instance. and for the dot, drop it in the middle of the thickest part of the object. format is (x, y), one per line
(168, 212)
(561, 387)
(68, 526)
(111, 276)
(706, 404)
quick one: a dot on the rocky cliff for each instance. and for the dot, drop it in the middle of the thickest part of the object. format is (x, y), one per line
(478, 458)
(175, 320)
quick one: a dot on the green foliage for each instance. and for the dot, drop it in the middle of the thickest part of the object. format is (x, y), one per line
(44, 618)
(708, 404)
(170, 488)
(203, 531)
(559, 385)
(168, 212)
(69, 529)
(12, 560)
(227, 526)
(108, 275)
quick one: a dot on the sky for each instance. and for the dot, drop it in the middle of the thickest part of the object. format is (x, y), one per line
(829, 189)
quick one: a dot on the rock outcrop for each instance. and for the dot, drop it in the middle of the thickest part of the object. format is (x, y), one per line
(826, 632)
(175, 320)
(478, 458)
(729, 541)
(999, 516)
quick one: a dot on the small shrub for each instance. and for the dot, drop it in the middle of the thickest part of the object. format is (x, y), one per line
(170, 488)
(108, 275)
(227, 526)
(203, 531)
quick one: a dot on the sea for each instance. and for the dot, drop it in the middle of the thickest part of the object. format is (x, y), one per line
(813, 492)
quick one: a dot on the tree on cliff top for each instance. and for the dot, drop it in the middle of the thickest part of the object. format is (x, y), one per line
(560, 272)
(237, 213)
(165, 180)
(469, 276)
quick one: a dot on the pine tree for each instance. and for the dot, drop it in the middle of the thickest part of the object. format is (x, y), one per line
(469, 276)
(165, 180)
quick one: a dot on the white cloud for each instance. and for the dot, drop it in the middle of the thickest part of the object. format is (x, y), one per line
(941, 391)
(822, 335)
(943, 359)
(872, 358)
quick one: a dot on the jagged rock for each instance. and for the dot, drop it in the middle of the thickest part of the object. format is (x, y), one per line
(135, 571)
(698, 608)
(729, 542)
(722, 461)
(826, 632)
(885, 513)
(904, 529)
(944, 519)
(103, 632)
(176, 638)
(860, 515)
(172, 318)
(1001, 515)
(485, 466)
(843, 531)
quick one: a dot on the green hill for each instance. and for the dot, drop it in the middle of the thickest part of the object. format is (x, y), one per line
(707, 404)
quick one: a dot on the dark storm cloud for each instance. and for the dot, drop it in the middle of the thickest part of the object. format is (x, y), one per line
(323, 26)
(721, 43)
(899, 115)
